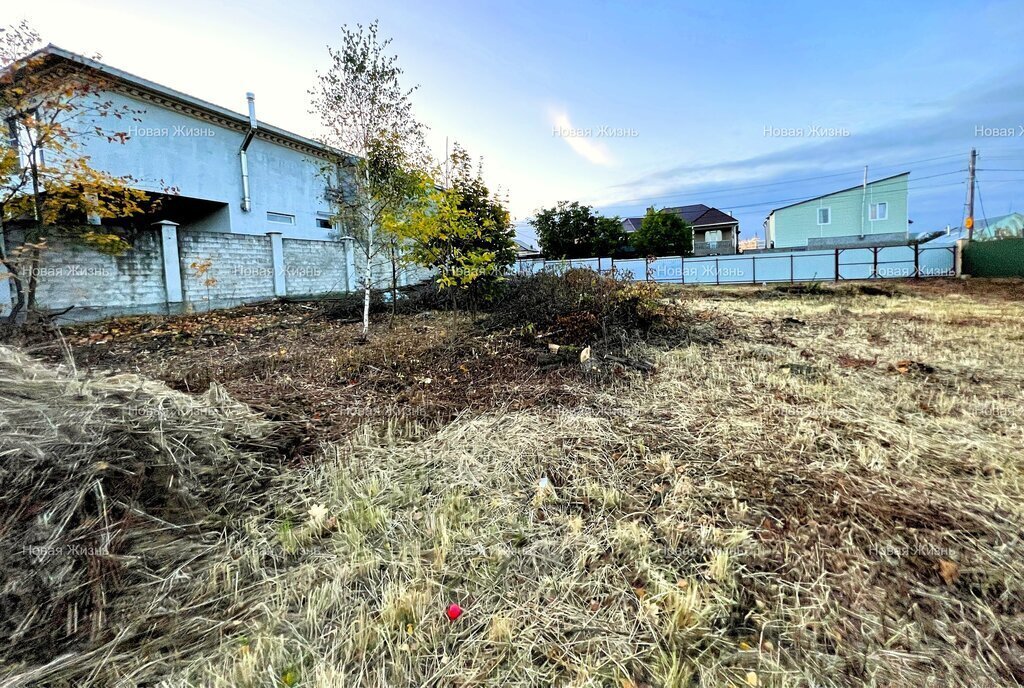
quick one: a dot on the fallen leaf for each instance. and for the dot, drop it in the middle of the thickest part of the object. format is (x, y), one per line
(949, 570)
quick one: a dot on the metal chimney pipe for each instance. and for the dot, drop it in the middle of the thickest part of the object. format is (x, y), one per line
(251, 98)
(246, 199)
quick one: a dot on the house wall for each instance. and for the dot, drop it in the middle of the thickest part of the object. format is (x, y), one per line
(795, 225)
(200, 159)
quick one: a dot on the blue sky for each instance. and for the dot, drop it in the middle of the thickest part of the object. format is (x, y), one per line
(693, 86)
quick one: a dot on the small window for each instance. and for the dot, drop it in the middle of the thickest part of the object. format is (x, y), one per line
(879, 211)
(824, 216)
(25, 142)
(281, 218)
(324, 223)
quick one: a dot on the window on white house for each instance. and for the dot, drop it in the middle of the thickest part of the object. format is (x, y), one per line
(879, 211)
(323, 222)
(824, 216)
(281, 218)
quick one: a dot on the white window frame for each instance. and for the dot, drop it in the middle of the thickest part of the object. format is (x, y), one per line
(829, 209)
(326, 218)
(280, 218)
(873, 210)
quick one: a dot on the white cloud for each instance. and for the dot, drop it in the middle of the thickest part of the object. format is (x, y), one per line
(579, 140)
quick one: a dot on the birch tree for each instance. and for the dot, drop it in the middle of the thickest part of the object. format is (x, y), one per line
(379, 151)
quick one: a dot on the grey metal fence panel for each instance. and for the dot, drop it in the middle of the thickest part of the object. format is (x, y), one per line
(784, 266)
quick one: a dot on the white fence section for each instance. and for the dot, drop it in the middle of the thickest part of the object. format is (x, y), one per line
(876, 262)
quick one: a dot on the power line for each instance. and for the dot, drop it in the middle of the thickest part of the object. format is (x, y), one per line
(769, 203)
(733, 189)
(981, 201)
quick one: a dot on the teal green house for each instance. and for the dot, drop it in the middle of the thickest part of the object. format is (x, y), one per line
(864, 215)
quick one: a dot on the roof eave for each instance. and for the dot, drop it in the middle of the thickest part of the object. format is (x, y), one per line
(170, 93)
(833, 193)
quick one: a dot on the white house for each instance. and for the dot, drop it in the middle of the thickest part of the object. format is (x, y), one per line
(246, 198)
(229, 171)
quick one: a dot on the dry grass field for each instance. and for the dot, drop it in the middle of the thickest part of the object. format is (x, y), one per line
(829, 492)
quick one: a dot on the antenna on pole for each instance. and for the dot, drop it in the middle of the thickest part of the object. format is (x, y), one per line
(863, 200)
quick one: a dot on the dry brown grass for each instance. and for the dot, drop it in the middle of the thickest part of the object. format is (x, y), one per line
(833, 497)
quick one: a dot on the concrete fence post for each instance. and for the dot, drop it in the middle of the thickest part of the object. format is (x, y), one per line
(172, 261)
(5, 293)
(277, 258)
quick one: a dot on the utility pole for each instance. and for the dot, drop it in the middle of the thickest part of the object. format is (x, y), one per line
(970, 194)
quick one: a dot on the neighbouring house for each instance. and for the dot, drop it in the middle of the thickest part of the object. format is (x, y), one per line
(526, 252)
(244, 209)
(868, 214)
(1010, 226)
(751, 244)
(714, 232)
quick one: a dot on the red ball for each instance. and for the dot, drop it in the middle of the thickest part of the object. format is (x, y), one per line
(453, 611)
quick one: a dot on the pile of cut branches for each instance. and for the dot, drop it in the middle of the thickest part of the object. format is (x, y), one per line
(112, 491)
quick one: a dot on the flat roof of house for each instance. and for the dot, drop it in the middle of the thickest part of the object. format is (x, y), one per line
(57, 52)
(833, 193)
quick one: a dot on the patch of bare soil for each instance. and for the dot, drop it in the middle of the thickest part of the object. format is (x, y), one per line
(975, 289)
(296, 363)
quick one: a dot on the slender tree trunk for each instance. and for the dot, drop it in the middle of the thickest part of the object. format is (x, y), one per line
(33, 279)
(366, 303)
(368, 273)
(394, 281)
(19, 304)
(33, 274)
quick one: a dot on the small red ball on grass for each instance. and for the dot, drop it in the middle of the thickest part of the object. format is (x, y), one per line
(453, 611)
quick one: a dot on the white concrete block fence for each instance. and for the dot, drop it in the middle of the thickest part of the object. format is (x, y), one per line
(168, 270)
